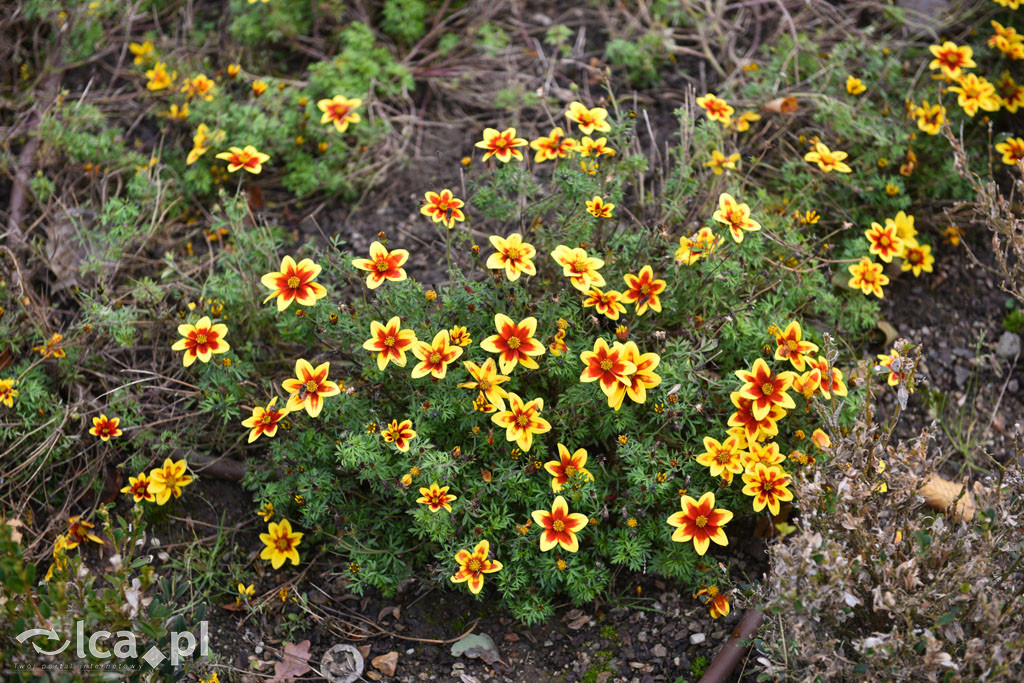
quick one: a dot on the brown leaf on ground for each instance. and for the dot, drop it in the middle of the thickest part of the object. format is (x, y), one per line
(293, 664)
(940, 494)
(781, 105)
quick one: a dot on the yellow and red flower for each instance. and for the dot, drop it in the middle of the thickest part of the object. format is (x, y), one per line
(201, 341)
(473, 566)
(309, 387)
(259, 87)
(898, 366)
(159, 77)
(735, 216)
(294, 282)
(436, 497)
(390, 342)
(821, 439)
(790, 345)
(868, 277)
(7, 392)
(696, 247)
(502, 145)
(765, 454)
(765, 389)
(105, 428)
(51, 347)
(340, 111)
(828, 160)
(514, 343)
(720, 163)
(80, 531)
(643, 290)
(594, 148)
(719, 457)
(382, 265)
(281, 544)
(715, 107)
(598, 208)
(264, 420)
(755, 429)
(607, 366)
(917, 258)
(974, 93)
(443, 207)
(522, 420)
(930, 117)
(700, 522)
(487, 380)
(568, 467)
(435, 356)
(582, 270)
(199, 86)
(202, 141)
(855, 86)
(1012, 150)
(250, 158)
(607, 303)
(951, 59)
(636, 383)
(554, 146)
(559, 526)
(768, 486)
(138, 488)
(513, 255)
(884, 242)
(588, 120)
(1011, 95)
(168, 480)
(717, 603)
(459, 336)
(400, 434)
(743, 121)
(831, 381)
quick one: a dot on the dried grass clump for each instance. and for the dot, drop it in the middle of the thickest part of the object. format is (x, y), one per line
(874, 585)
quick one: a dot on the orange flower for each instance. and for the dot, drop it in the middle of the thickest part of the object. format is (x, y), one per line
(487, 381)
(700, 522)
(512, 254)
(975, 93)
(294, 282)
(643, 290)
(51, 347)
(791, 346)
(765, 389)
(559, 526)
(138, 488)
(752, 427)
(400, 434)
(554, 146)
(607, 366)
(831, 378)
(735, 216)
(951, 59)
(827, 159)
(1012, 150)
(443, 208)
(382, 265)
(250, 159)
(594, 148)
(264, 420)
(721, 457)
(588, 120)
(821, 439)
(718, 604)
(884, 242)
(473, 566)
(720, 163)
(582, 270)
(514, 343)
(390, 342)
(568, 467)
(522, 420)
(309, 387)
(597, 208)
(768, 487)
(435, 356)
(436, 497)
(105, 428)
(765, 454)
(639, 381)
(868, 277)
(201, 341)
(502, 145)
(259, 87)
(917, 257)
(606, 303)
(715, 107)
(339, 110)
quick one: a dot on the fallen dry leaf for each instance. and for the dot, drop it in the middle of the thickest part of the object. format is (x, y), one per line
(940, 493)
(781, 105)
(293, 664)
